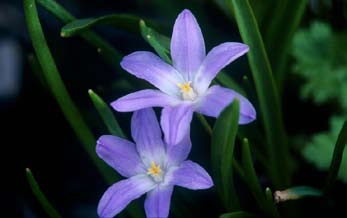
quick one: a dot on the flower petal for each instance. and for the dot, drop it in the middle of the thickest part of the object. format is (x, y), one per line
(178, 153)
(119, 154)
(120, 194)
(187, 45)
(146, 132)
(157, 203)
(217, 98)
(148, 66)
(219, 57)
(143, 99)
(175, 122)
(191, 175)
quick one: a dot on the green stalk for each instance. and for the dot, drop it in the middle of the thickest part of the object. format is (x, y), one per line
(106, 114)
(40, 196)
(337, 158)
(59, 90)
(106, 51)
(270, 109)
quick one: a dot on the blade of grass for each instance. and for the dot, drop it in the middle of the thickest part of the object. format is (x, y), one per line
(126, 22)
(337, 158)
(106, 114)
(267, 93)
(59, 91)
(253, 183)
(58, 88)
(238, 214)
(40, 196)
(281, 28)
(160, 43)
(222, 150)
(106, 51)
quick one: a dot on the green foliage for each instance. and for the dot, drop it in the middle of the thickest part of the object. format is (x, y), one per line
(40, 196)
(106, 114)
(237, 214)
(319, 150)
(322, 62)
(222, 153)
(270, 109)
(59, 91)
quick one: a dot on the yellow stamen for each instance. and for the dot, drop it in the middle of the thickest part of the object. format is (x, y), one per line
(185, 87)
(154, 169)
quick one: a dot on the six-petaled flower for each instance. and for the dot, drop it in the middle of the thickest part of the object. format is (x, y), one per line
(153, 166)
(184, 86)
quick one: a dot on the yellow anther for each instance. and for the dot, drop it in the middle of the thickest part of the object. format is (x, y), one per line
(154, 169)
(185, 87)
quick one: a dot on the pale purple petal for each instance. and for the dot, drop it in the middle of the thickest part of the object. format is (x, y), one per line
(143, 99)
(157, 203)
(148, 66)
(187, 45)
(176, 154)
(219, 57)
(175, 122)
(217, 98)
(146, 132)
(120, 154)
(191, 175)
(120, 194)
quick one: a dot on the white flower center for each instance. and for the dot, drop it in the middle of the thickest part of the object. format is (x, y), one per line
(187, 92)
(155, 172)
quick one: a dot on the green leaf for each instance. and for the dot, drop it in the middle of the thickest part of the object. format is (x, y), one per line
(297, 192)
(317, 50)
(225, 80)
(106, 51)
(106, 114)
(238, 214)
(40, 196)
(126, 22)
(252, 180)
(160, 43)
(320, 148)
(268, 195)
(222, 150)
(284, 21)
(270, 109)
(337, 157)
(59, 90)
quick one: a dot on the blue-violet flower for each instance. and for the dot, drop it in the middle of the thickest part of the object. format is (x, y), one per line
(184, 86)
(152, 166)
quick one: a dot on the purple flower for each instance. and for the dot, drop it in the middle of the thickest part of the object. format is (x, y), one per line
(152, 166)
(184, 86)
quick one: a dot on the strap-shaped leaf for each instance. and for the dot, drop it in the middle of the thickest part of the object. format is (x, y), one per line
(270, 109)
(237, 214)
(160, 43)
(253, 183)
(222, 151)
(106, 51)
(106, 114)
(337, 157)
(40, 196)
(126, 22)
(59, 90)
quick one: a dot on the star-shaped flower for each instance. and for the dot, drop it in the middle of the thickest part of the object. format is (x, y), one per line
(184, 86)
(152, 166)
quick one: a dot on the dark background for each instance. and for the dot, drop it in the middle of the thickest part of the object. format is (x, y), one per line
(35, 134)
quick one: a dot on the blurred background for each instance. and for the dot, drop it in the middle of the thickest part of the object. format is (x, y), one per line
(35, 133)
